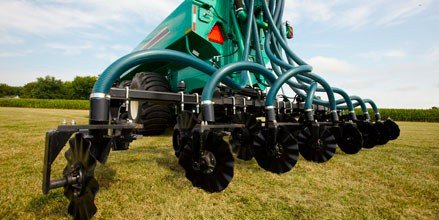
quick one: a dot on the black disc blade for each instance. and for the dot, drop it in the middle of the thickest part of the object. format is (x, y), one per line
(241, 142)
(382, 133)
(369, 134)
(186, 121)
(241, 139)
(316, 144)
(81, 195)
(251, 123)
(351, 140)
(217, 179)
(276, 150)
(83, 206)
(392, 128)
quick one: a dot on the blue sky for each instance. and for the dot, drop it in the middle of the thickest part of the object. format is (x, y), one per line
(387, 50)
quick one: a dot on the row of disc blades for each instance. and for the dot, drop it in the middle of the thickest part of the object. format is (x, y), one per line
(208, 161)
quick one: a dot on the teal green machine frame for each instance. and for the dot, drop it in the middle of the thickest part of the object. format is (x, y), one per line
(186, 30)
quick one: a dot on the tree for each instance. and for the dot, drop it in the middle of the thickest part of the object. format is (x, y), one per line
(67, 90)
(51, 88)
(48, 88)
(28, 90)
(8, 91)
(82, 87)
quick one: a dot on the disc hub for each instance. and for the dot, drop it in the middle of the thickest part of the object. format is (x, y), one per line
(206, 162)
(75, 177)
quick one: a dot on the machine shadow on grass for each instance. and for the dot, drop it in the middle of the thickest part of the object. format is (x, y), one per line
(51, 205)
(105, 175)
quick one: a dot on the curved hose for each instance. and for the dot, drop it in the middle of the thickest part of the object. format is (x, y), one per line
(245, 76)
(279, 36)
(125, 63)
(222, 73)
(309, 98)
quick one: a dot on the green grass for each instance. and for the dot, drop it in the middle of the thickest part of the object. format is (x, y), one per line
(45, 103)
(399, 180)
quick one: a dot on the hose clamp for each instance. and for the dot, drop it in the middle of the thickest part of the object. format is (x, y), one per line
(207, 102)
(98, 95)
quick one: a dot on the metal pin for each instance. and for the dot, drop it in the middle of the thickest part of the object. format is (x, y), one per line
(182, 101)
(245, 104)
(234, 105)
(198, 103)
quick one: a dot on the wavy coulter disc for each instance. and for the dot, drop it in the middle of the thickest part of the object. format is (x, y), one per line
(241, 142)
(207, 161)
(316, 143)
(186, 121)
(382, 133)
(241, 139)
(81, 195)
(369, 134)
(351, 140)
(392, 128)
(276, 150)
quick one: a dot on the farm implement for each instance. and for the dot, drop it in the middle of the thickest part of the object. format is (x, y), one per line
(213, 68)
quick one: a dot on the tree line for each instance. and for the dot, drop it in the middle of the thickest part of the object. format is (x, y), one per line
(51, 88)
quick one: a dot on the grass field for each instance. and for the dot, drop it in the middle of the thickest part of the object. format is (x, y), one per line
(396, 181)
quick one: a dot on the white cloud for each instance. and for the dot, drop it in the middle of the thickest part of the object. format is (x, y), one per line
(323, 45)
(355, 17)
(317, 10)
(54, 17)
(406, 88)
(330, 65)
(433, 55)
(356, 13)
(68, 49)
(10, 54)
(395, 53)
(113, 52)
(8, 39)
(397, 12)
(379, 55)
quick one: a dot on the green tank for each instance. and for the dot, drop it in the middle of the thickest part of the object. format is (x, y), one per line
(206, 29)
